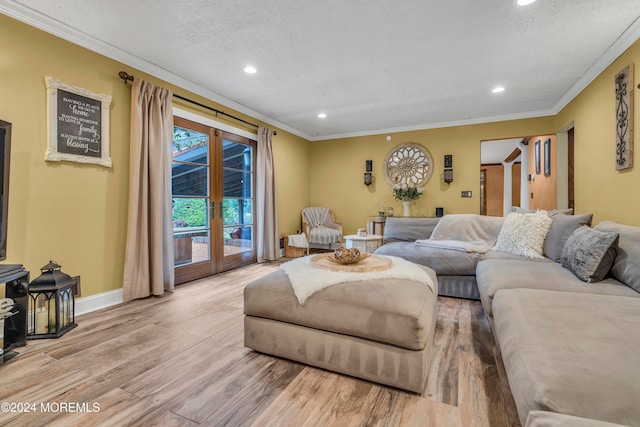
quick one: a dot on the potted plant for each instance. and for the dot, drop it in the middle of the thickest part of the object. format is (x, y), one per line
(406, 193)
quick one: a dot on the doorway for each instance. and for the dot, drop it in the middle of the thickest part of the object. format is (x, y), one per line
(501, 176)
(541, 173)
(213, 181)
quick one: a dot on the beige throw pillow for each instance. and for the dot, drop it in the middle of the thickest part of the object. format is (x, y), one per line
(524, 234)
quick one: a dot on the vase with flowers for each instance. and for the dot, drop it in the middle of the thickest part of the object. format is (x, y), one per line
(406, 193)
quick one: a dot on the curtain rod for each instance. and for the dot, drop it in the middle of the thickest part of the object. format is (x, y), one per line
(128, 77)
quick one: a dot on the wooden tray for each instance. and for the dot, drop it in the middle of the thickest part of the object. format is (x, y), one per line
(372, 263)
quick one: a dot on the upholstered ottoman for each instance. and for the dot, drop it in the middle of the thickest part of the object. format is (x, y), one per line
(377, 329)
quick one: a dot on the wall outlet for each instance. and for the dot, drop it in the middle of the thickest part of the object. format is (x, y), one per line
(78, 290)
(466, 194)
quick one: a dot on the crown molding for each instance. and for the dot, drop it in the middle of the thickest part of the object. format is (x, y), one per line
(617, 48)
(59, 29)
(439, 125)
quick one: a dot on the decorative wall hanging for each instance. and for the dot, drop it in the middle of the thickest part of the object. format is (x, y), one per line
(624, 118)
(547, 157)
(409, 164)
(537, 156)
(77, 125)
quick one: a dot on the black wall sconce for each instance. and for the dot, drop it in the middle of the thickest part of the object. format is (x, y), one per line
(367, 174)
(448, 171)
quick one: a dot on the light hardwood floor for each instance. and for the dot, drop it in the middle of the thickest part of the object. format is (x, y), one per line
(179, 360)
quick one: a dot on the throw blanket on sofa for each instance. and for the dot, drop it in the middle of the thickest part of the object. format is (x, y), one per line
(465, 232)
(307, 280)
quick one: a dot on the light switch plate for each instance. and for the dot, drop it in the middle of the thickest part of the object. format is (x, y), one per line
(466, 194)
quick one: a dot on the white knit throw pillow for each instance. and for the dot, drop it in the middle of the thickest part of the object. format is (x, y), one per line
(524, 234)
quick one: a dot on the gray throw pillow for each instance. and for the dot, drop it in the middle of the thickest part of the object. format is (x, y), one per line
(561, 228)
(589, 253)
(626, 267)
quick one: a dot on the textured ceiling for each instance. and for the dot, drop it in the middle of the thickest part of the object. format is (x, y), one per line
(372, 66)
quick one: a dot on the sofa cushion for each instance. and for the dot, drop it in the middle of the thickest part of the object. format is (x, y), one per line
(524, 234)
(561, 228)
(391, 311)
(589, 253)
(444, 262)
(553, 419)
(493, 275)
(575, 354)
(626, 266)
(399, 229)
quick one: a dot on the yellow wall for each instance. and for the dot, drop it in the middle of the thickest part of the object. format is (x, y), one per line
(77, 214)
(337, 168)
(599, 188)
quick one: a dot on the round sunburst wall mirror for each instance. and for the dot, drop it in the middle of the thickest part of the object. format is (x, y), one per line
(409, 164)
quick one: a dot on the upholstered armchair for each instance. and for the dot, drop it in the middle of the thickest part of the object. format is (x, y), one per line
(321, 228)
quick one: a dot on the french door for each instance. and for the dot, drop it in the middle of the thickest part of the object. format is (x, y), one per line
(213, 181)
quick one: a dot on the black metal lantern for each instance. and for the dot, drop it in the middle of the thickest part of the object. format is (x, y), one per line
(51, 303)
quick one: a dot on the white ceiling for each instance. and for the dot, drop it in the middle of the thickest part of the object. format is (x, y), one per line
(373, 66)
(494, 152)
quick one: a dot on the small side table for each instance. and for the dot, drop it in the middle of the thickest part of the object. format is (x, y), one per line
(366, 244)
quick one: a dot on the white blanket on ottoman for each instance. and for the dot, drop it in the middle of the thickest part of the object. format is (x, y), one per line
(307, 280)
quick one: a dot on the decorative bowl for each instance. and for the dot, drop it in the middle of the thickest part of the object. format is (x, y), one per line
(346, 256)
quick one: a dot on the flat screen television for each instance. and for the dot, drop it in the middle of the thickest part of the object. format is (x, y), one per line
(5, 156)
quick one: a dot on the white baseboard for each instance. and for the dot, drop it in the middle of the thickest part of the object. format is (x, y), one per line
(97, 302)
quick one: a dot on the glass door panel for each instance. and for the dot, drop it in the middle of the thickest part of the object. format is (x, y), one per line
(238, 199)
(191, 200)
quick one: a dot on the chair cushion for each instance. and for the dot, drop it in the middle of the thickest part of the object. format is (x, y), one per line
(391, 311)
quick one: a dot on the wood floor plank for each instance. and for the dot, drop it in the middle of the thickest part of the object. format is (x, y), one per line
(208, 394)
(312, 388)
(45, 390)
(256, 394)
(442, 381)
(480, 392)
(383, 406)
(418, 411)
(117, 350)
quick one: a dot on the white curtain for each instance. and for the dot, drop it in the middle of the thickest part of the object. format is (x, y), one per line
(148, 268)
(267, 241)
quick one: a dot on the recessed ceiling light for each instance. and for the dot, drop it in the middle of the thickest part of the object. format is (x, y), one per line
(524, 2)
(250, 70)
(498, 89)
(322, 115)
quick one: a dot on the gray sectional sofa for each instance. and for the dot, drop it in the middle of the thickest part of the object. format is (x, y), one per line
(571, 349)
(456, 270)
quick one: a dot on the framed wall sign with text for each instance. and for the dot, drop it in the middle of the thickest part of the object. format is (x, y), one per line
(78, 124)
